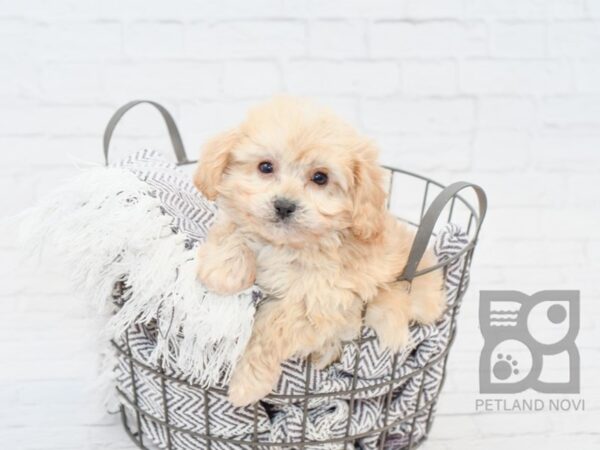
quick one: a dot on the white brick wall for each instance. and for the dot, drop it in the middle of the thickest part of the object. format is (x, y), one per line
(505, 93)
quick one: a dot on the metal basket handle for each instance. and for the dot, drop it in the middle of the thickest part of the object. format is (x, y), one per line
(171, 127)
(429, 220)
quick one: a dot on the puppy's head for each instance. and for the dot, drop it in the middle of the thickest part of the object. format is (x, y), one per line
(293, 172)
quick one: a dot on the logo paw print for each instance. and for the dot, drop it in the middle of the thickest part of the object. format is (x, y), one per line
(505, 367)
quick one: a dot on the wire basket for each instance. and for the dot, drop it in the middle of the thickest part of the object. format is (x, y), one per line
(431, 201)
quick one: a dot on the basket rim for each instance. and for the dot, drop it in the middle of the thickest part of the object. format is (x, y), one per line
(223, 391)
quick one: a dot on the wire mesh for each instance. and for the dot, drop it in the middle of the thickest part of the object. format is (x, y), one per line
(460, 211)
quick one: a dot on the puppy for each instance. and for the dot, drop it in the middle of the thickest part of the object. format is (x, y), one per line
(302, 213)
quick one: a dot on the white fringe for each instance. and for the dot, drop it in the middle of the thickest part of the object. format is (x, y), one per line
(105, 225)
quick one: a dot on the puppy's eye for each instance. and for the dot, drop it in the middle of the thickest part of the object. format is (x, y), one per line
(319, 178)
(265, 167)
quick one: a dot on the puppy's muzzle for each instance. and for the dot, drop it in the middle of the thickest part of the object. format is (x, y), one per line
(284, 208)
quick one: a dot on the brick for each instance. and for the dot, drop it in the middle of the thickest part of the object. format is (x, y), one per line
(571, 111)
(347, 108)
(501, 150)
(568, 9)
(373, 78)
(331, 78)
(574, 39)
(235, 9)
(25, 38)
(419, 116)
(514, 77)
(524, 188)
(40, 10)
(163, 80)
(430, 77)
(592, 8)
(36, 151)
(337, 39)
(455, 427)
(570, 223)
(52, 120)
(20, 79)
(433, 9)
(61, 437)
(17, 281)
(84, 82)
(391, 39)
(506, 113)
(505, 9)
(251, 79)
(518, 40)
(531, 279)
(204, 119)
(507, 424)
(133, 10)
(566, 151)
(587, 76)
(154, 40)
(356, 9)
(81, 41)
(425, 154)
(571, 423)
(513, 223)
(535, 253)
(593, 256)
(582, 190)
(246, 39)
(73, 120)
(11, 203)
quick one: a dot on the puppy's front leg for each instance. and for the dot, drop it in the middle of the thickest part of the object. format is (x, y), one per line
(389, 314)
(225, 263)
(277, 335)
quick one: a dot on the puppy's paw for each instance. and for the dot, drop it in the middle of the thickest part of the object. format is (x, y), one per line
(224, 276)
(429, 306)
(243, 394)
(392, 330)
(245, 391)
(223, 280)
(393, 338)
(326, 356)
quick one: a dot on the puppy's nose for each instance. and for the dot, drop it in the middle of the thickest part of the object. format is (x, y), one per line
(284, 208)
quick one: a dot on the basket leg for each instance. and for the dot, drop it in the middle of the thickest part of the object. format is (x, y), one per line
(411, 439)
(163, 389)
(388, 401)
(138, 418)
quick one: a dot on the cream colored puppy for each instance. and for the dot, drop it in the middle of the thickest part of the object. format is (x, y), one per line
(302, 213)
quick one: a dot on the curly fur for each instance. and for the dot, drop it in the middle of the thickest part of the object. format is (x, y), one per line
(341, 248)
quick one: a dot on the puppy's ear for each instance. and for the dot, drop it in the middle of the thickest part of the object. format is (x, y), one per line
(213, 162)
(369, 197)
